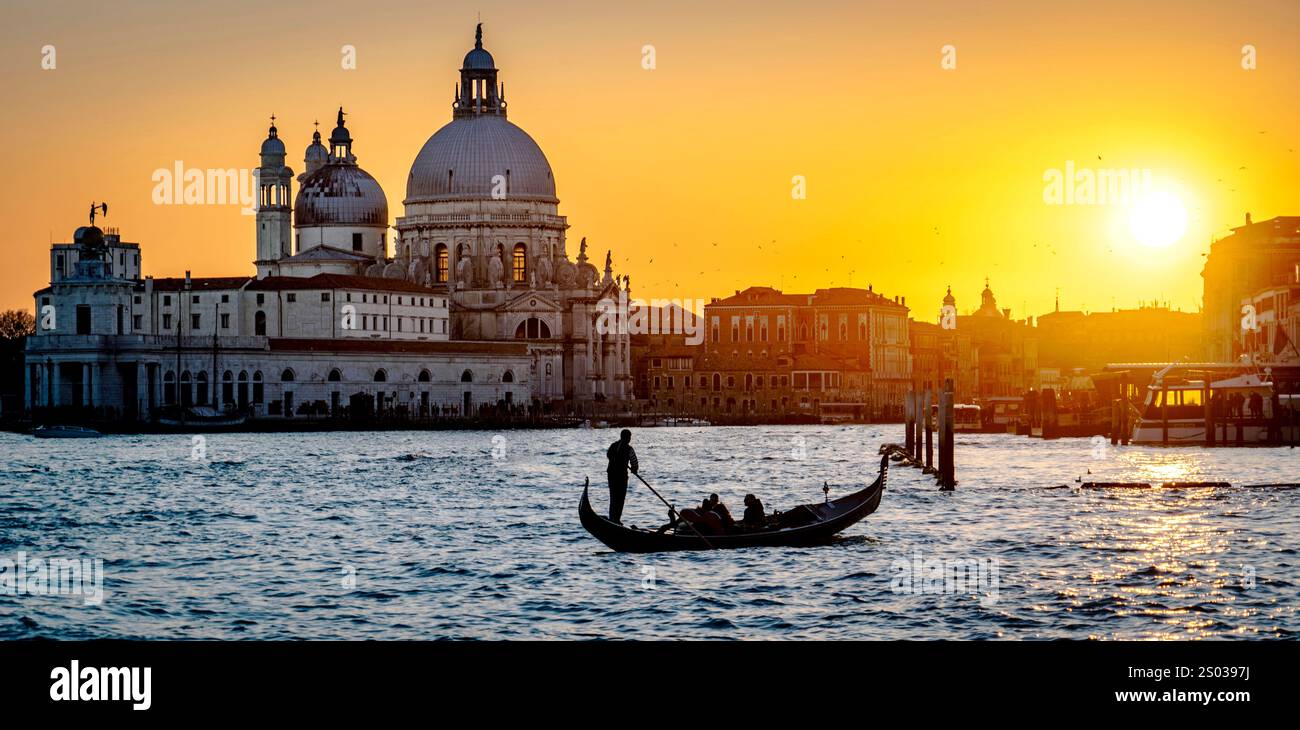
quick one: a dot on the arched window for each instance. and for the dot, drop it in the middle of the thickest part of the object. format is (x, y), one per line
(443, 264)
(533, 329)
(717, 381)
(228, 387)
(169, 388)
(187, 391)
(259, 323)
(201, 389)
(257, 386)
(381, 376)
(335, 376)
(508, 377)
(519, 264)
(467, 377)
(548, 368)
(424, 376)
(286, 376)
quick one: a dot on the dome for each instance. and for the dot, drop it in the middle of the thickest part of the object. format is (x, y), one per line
(88, 236)
(316, 151)
(340, 195)
(272, 146)
(460, 160)
(478, 59)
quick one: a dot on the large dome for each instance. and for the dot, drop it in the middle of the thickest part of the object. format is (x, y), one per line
(340, 194)
(460, 160)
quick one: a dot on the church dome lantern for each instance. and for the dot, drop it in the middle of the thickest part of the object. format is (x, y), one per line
(479, 152)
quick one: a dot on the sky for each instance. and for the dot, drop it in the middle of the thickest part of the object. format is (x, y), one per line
(916, 176)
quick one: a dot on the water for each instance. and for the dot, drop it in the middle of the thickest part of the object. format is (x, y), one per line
(413, 535)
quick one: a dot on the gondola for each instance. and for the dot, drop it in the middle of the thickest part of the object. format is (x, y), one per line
(806, 524)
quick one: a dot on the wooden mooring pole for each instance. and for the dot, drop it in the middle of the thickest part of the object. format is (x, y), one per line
(929, 431)
(947, 471)
(909, 413)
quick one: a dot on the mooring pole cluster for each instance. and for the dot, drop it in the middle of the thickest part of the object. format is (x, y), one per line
(920, 420)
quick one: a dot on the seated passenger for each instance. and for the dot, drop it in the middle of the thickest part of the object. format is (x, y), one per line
(703, 519)
(721, 511)
(754, 518)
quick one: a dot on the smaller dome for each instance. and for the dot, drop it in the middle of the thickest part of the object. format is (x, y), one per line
(316, 151)
(478, 60)
(88, 236)
(340, 195)
(272, 146)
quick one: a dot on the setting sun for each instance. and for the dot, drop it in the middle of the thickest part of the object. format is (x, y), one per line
(1158, 219)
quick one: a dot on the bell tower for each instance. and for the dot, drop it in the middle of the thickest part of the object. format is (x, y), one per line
(274, 224)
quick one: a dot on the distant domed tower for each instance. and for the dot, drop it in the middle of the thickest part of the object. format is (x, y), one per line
(274, 241)
(316, 156)
(340, 205)
(988, 303)
(949, 300)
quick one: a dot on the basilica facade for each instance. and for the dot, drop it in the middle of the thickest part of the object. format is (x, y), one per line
(477, 303)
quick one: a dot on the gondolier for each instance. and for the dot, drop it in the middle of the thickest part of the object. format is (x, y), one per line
(622, 457)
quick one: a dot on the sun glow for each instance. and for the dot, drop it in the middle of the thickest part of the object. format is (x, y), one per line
(1158, 219)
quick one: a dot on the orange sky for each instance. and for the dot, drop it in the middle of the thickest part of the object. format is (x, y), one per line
(917, 177)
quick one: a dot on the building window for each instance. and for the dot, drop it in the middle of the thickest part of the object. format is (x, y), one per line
(259, 323)
(167, 322)
(532, 329)
(442, 264)
(324, 296)
(508, 377)
(261, 299)
(167, 300)
(196, 321)
(519, 264)
(137, 323)
(225, 298)
(83, 319)
(356, 241)
(225, 321)
(194, 299)
(291, 297)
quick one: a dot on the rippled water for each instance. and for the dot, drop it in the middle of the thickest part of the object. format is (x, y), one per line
(412, 535)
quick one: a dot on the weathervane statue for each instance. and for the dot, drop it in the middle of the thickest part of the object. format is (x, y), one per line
(101, 207)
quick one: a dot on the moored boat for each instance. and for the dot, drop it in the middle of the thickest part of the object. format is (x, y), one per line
(806, 524)
(64, 432)
(200, 418)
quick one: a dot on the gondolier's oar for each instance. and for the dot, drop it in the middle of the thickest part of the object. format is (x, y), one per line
(673, 511)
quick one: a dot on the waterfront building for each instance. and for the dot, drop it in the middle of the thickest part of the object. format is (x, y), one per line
(1150, 333)
(1007, 349)
(838, 352)
(478, 304)
(1253, 258)
(1273, 341)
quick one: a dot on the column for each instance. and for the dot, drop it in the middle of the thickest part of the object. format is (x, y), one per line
(29, 397)
(54, 385)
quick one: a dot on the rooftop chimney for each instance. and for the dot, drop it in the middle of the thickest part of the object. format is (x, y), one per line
(1247, 217)
(187, 279)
